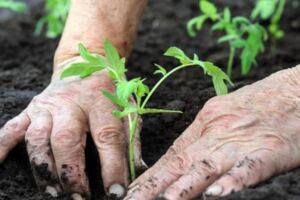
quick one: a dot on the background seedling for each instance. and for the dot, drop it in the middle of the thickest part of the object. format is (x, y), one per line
(238, 31)
(13, 5)
(115, 65)
(55, 18)
(270, 10)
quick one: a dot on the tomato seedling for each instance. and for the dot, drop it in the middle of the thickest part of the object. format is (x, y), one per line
(238, 31)
(13, 5)
(55, 18)
(270, 10)
(125, 89)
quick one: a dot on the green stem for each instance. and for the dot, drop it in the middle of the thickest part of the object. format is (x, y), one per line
(161, 80)
(132, 132)
(277, 16)
(230, 61)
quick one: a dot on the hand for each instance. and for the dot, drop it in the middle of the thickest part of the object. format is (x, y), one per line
(55, 126)
(236, 141)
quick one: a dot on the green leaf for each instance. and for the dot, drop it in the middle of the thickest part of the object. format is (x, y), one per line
(142, 89)
(195, 23)
(220, 86)
(238, 43)
(117, 64)
(264, 9)
(240, 20)
(114, 99)
(111, 53)
(227, 38)
(178, 54)
(160, 70)
(124, 89)
(80, 69)
(125, 112)
(13, 5)
(227, 15)
(219, 78)
(218, 26)
(208, 8)
(154, 110)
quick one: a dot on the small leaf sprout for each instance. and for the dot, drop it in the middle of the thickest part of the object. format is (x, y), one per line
(135, 87)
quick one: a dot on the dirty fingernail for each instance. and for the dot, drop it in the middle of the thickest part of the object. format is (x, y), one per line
(134, 188)
(52, 191)
(116, 191)
(160, 198)
(215, 190)
(76, 196)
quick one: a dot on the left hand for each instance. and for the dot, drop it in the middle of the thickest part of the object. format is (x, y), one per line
(236, 141)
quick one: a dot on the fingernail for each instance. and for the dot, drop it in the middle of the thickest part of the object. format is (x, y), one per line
(159, 198)
(131, 190)
(76, 196)
(52, 191)
(215, 190)
(144, 164)
(116, 191)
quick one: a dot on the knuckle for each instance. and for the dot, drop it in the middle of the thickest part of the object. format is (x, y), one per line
(13, 125)
(274, 141)
(179, 164)
(37, 135)
(109, 136)
(65, 138)
(207, 166)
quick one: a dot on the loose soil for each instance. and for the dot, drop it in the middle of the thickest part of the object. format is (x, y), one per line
(25, 69)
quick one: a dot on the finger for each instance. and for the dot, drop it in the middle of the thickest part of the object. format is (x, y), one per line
(246, 172)
(140, 165)
(200, 175)
(173, 169)
(40, 154)
(12, 133)
(68, 141)
(180, 144)
(109, 136)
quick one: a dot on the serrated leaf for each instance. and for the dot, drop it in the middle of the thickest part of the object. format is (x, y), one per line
(142, 89)
(124, 89)
(80, 69)
(113, 58)
(208, 8)
(178, 54)
(114, 98)
(154, 110)
(218, 76)
(127, 111)
(161, 70)
(85, 54)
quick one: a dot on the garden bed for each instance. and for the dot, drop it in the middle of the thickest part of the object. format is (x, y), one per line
(25, 69)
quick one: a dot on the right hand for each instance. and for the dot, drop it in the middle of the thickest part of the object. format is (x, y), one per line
(54, 126)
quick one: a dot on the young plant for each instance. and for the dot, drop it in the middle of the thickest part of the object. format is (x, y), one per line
(13, 5)
(55, 18)
(270, 10)
(238, 31)
(115, 65)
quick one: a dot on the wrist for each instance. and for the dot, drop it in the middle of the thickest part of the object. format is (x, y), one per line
(92, 22)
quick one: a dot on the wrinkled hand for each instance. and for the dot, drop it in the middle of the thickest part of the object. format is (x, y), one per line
(235, 141)
(55, 126)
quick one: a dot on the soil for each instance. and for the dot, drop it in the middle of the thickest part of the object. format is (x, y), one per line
(25, 69)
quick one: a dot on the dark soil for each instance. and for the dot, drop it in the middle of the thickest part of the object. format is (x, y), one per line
(25, 69)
